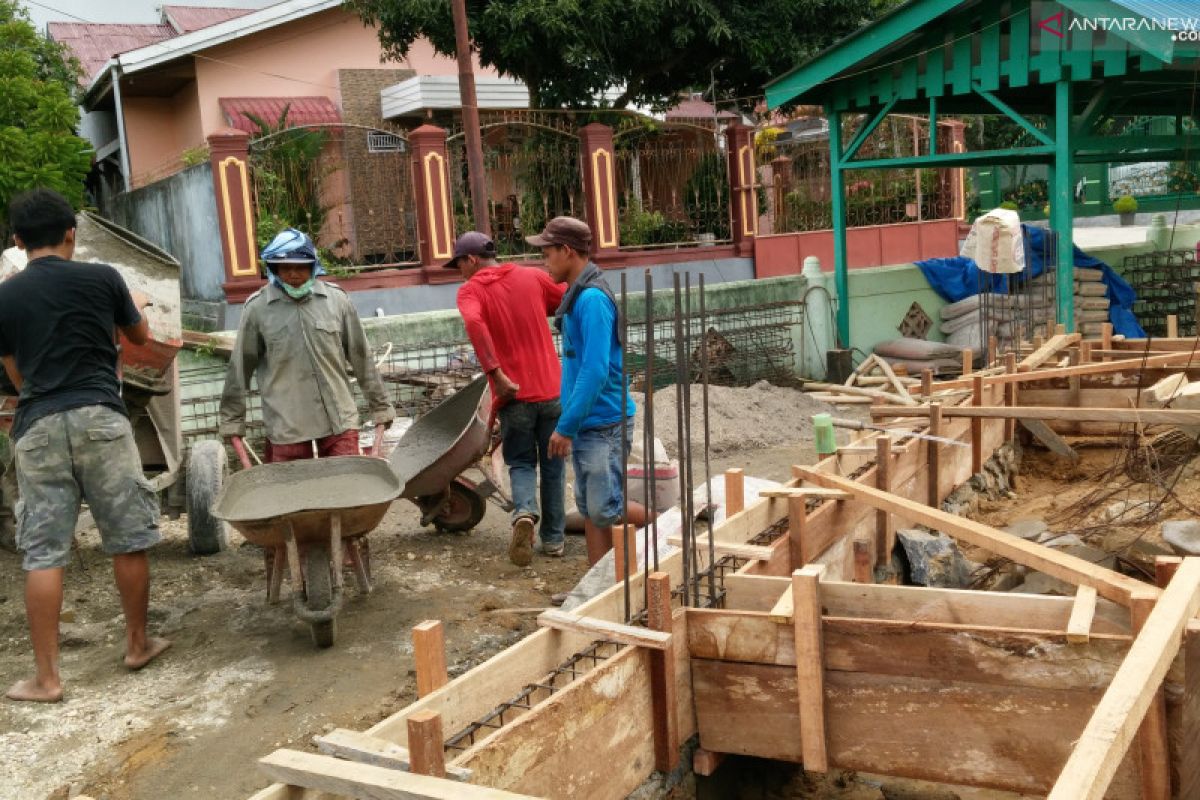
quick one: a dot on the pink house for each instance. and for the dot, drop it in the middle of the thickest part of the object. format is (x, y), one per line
(154, 92)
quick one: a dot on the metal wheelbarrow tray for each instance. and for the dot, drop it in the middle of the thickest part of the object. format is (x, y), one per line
(306, 509)
(430, 457)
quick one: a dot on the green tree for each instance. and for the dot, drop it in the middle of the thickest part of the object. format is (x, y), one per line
(38, 116)
(567, 51)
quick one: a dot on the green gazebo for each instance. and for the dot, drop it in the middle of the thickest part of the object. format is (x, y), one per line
(1074, 63)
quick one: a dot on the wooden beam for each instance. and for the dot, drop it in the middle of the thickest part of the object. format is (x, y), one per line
(1140, 416)
(864, 560)
(934, 457)
(1079, 626)
(1053, 442)
(810, 666)
(967, 362)
(1056, 343)
(425, 746)
(1119, 714)
(662, 674)
(784, 610)
(735, 491)
(803, 491)
(1172, 326)
(1153, 753)
(753, 552)
(884, 531)
(1010, 395)
(797, 516)
(347, 779)
(1102, 368)
(604, 629)
(976, 427)
(705, 762)
(429, 655)
(364, 748)
(856, 391)
(901, 389)
(1109, 584)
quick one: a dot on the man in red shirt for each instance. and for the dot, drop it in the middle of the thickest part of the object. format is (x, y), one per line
(505, 308)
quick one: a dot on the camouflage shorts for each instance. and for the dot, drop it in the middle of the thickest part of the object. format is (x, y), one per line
(86, 453)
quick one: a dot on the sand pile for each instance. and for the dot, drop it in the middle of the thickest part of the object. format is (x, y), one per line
(739, 418)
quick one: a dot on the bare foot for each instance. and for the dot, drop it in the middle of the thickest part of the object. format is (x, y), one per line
(30, 691)
(154, 648)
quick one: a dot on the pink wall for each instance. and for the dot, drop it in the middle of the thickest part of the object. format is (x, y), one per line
(874, 246)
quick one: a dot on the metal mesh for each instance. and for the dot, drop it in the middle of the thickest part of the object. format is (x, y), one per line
(1165, 284)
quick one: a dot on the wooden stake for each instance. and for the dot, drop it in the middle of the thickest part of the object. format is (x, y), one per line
(797, 514)
(1060, 329)
(624, 536)
(429, 653)
(425, 749)
(967, 358)
(883, 520)
(810, 666)
(1152, 735)
(1085, 352)
(1106, 338)
(926, 382)
(705, 762)
(662, 674)
(977, 429)
(1165, 568)
(1079, 626)
(993, 350)
(1172, 326)
(735, 492)
(864, 569)
(935, 455)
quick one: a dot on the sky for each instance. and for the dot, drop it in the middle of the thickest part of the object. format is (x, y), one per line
(131, 11)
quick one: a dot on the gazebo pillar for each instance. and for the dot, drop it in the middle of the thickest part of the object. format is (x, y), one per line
(837, 187)
(1062, 204)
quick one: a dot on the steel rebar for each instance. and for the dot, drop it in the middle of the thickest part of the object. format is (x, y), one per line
(648, 421)
(688, 505)
(708, 508)
(681, 438)
(623, 327)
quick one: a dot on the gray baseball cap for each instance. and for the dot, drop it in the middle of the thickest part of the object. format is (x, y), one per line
(566, 231)
(471, 243)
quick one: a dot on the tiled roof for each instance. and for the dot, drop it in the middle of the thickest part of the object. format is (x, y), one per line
(695, 108)
(301, 111)
(186, 19)
(95, 43)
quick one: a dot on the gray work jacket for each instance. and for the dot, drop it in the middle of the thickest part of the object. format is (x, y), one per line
(301, 353)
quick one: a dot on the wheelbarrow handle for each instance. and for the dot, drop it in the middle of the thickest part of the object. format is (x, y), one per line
(239, 447)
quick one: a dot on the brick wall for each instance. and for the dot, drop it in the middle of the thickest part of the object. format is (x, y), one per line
(380, 184)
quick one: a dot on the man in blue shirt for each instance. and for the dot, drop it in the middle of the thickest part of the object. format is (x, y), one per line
(594, 401)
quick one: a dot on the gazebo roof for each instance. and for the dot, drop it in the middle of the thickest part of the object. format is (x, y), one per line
(950, 49)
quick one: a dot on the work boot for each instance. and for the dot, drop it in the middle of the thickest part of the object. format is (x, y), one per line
(520, 547)
(554, 549)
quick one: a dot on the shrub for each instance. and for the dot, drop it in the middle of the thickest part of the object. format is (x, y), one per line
(1125, 204)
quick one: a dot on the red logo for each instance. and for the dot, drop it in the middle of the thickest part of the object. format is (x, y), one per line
(1053, 24)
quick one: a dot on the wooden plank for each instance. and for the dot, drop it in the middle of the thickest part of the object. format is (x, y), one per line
(888, 373)
(1188, 743)
(855, 391)
(429, 656)
(803, 491)
(1153, 753)
(1053, 442)
(753, 552)
(347, 779)
(1140, 416)
(1090, 768)
(810, 666)
(957, 732)
(754, 592)
(784, 610)
(884, 530)
(1079, 626)
(662, 675)
(864, 560)
(1065, 567)
(593, 739)
(363, 748)
(425, 739)
(1051, 348)
(604, 629)
(935, 454)
(1085, 370)
(797, 517)
(927, 650)
(706, 762)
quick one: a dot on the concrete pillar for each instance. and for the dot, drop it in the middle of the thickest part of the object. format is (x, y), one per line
(229, 153)
(739, 152)
(435, 214)
(600, 187)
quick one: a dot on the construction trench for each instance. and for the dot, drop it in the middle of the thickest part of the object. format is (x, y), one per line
(784, 634)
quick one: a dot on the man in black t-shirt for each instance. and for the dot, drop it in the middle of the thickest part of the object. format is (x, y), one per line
(71, 434)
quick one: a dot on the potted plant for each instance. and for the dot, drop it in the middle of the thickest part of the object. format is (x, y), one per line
(1126, 206)
(1010, 205)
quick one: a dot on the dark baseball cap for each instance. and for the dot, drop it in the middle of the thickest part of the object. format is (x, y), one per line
(566, 231)
(472, 243)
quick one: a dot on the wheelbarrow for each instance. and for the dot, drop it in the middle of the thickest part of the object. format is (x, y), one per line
(431, 457)
(314, 512)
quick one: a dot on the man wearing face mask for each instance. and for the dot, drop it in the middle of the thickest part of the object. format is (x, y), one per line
(299, 337)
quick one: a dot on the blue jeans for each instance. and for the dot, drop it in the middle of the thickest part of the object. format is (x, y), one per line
(525, 430)
(599, 483)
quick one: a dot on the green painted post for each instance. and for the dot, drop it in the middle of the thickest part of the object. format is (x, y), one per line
(837, 185)
(1061, 203)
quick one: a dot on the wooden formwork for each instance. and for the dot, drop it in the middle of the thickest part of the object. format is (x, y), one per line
(810, 661)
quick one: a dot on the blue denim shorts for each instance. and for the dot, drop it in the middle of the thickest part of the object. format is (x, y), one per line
(596, 455)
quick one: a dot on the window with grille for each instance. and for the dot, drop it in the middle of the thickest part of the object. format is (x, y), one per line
(384, 142)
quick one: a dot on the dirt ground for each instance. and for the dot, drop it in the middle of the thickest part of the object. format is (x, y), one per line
(243, 678)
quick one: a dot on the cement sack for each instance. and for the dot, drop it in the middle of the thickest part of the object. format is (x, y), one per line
(916, 350)
(995, 242)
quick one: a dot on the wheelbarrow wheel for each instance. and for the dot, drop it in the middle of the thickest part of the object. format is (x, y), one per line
(318, 593)
(462, 509)
(206, 469)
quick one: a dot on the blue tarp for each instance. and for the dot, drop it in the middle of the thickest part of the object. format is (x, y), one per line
(959, 277)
